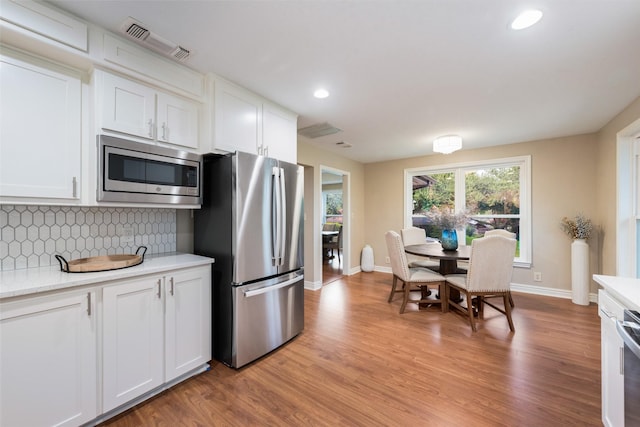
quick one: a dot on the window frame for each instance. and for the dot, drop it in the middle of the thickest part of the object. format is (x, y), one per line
(459, 170)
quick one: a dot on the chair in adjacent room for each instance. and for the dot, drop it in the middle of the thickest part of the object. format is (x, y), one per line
(490, 269)
(333, 242)
(418, 236)
(411, 278)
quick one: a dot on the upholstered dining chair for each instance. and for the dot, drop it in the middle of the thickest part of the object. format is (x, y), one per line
(490, 269)
(418, 236)
(508, 234)
(500, 232)
(411, 278)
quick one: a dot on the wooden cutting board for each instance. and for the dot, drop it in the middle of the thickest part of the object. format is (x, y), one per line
(101, 263)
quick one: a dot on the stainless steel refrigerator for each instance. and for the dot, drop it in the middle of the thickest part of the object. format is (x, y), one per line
(251, 222)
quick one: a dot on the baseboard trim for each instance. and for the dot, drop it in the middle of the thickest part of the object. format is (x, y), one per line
(312, 286)
(525, 289)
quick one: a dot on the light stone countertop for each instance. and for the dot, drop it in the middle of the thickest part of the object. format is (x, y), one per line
(624, 289)
(35, 280)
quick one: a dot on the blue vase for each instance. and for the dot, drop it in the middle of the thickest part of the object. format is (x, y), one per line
(449, 240)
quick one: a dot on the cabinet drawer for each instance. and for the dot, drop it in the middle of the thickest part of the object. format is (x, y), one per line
(608, 306)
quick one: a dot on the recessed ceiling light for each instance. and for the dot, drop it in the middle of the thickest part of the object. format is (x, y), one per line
(321, 93)
(526, 19)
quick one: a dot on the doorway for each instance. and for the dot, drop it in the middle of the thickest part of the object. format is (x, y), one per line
(333, 214)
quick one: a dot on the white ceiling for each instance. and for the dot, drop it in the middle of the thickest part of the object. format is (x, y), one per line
(401, 73)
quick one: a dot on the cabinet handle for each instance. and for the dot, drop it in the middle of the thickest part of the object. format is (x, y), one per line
(74, 183)
(150, 128)
(171, 291)
(89, 303)
(159, 288)
(164, 131)
(265, 151)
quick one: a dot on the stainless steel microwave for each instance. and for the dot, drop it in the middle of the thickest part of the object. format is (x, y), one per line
(134, 172)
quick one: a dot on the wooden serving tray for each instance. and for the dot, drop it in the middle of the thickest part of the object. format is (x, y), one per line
(102, 263)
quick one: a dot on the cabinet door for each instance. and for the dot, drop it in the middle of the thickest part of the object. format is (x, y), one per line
(612, 350)
(132, 340)
(238, 119)
(279, 133)
(188, 320)
(128, 107)
(40, 130)
(177, 121)
(48, 360)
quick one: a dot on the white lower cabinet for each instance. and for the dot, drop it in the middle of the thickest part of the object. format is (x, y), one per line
(187, 321)
(132, 340)
(48, 360)
(612, 359)
(154, 330)
(119, 340)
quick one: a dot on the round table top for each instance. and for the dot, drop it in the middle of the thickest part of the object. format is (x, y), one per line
(434, 250)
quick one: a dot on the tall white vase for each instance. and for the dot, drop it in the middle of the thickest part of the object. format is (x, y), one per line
(580, 272)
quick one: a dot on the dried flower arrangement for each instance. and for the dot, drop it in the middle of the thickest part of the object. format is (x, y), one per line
(446, 219)
(578, 228)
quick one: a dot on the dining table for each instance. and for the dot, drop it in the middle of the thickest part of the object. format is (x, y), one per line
(448, 259)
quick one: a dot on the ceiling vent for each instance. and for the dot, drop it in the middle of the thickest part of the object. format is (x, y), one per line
(137, 32)
(318, 130)
(343, 144)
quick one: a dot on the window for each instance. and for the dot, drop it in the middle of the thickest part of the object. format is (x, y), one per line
(332, 206)
(494, 193)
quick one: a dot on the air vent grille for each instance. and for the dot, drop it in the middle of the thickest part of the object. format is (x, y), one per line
(318, 130)
(181, 54)
(137, 32)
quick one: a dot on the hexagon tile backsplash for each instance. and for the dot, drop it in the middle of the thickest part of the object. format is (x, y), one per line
(33, 235)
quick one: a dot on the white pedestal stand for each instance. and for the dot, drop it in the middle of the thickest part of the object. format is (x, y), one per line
(580, 272)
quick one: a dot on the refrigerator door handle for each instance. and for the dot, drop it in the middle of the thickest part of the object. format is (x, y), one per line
(254, 292)
(276, 235)
(283, 216)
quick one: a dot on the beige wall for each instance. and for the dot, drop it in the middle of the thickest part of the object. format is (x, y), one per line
(563, 184)
(570, 175)
(606, 185)
(312, 157)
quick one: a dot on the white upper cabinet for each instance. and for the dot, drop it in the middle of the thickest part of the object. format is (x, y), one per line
(43, 20)
(243, 121)
(40, 130)
(279, 133)
(237, 119)
(177, 120)
(143, 111)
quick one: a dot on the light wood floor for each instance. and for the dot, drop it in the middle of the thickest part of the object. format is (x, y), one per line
(331, 269)
(360, 363)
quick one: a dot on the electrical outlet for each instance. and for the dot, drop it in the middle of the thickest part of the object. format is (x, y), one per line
(537, 276)
(387, 260)
(126, 234)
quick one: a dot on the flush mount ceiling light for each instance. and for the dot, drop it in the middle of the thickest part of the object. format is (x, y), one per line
(447, 144)
(526, 19)
(321, 93)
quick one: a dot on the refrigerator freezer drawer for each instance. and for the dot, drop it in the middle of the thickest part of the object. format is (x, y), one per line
(266, 317)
